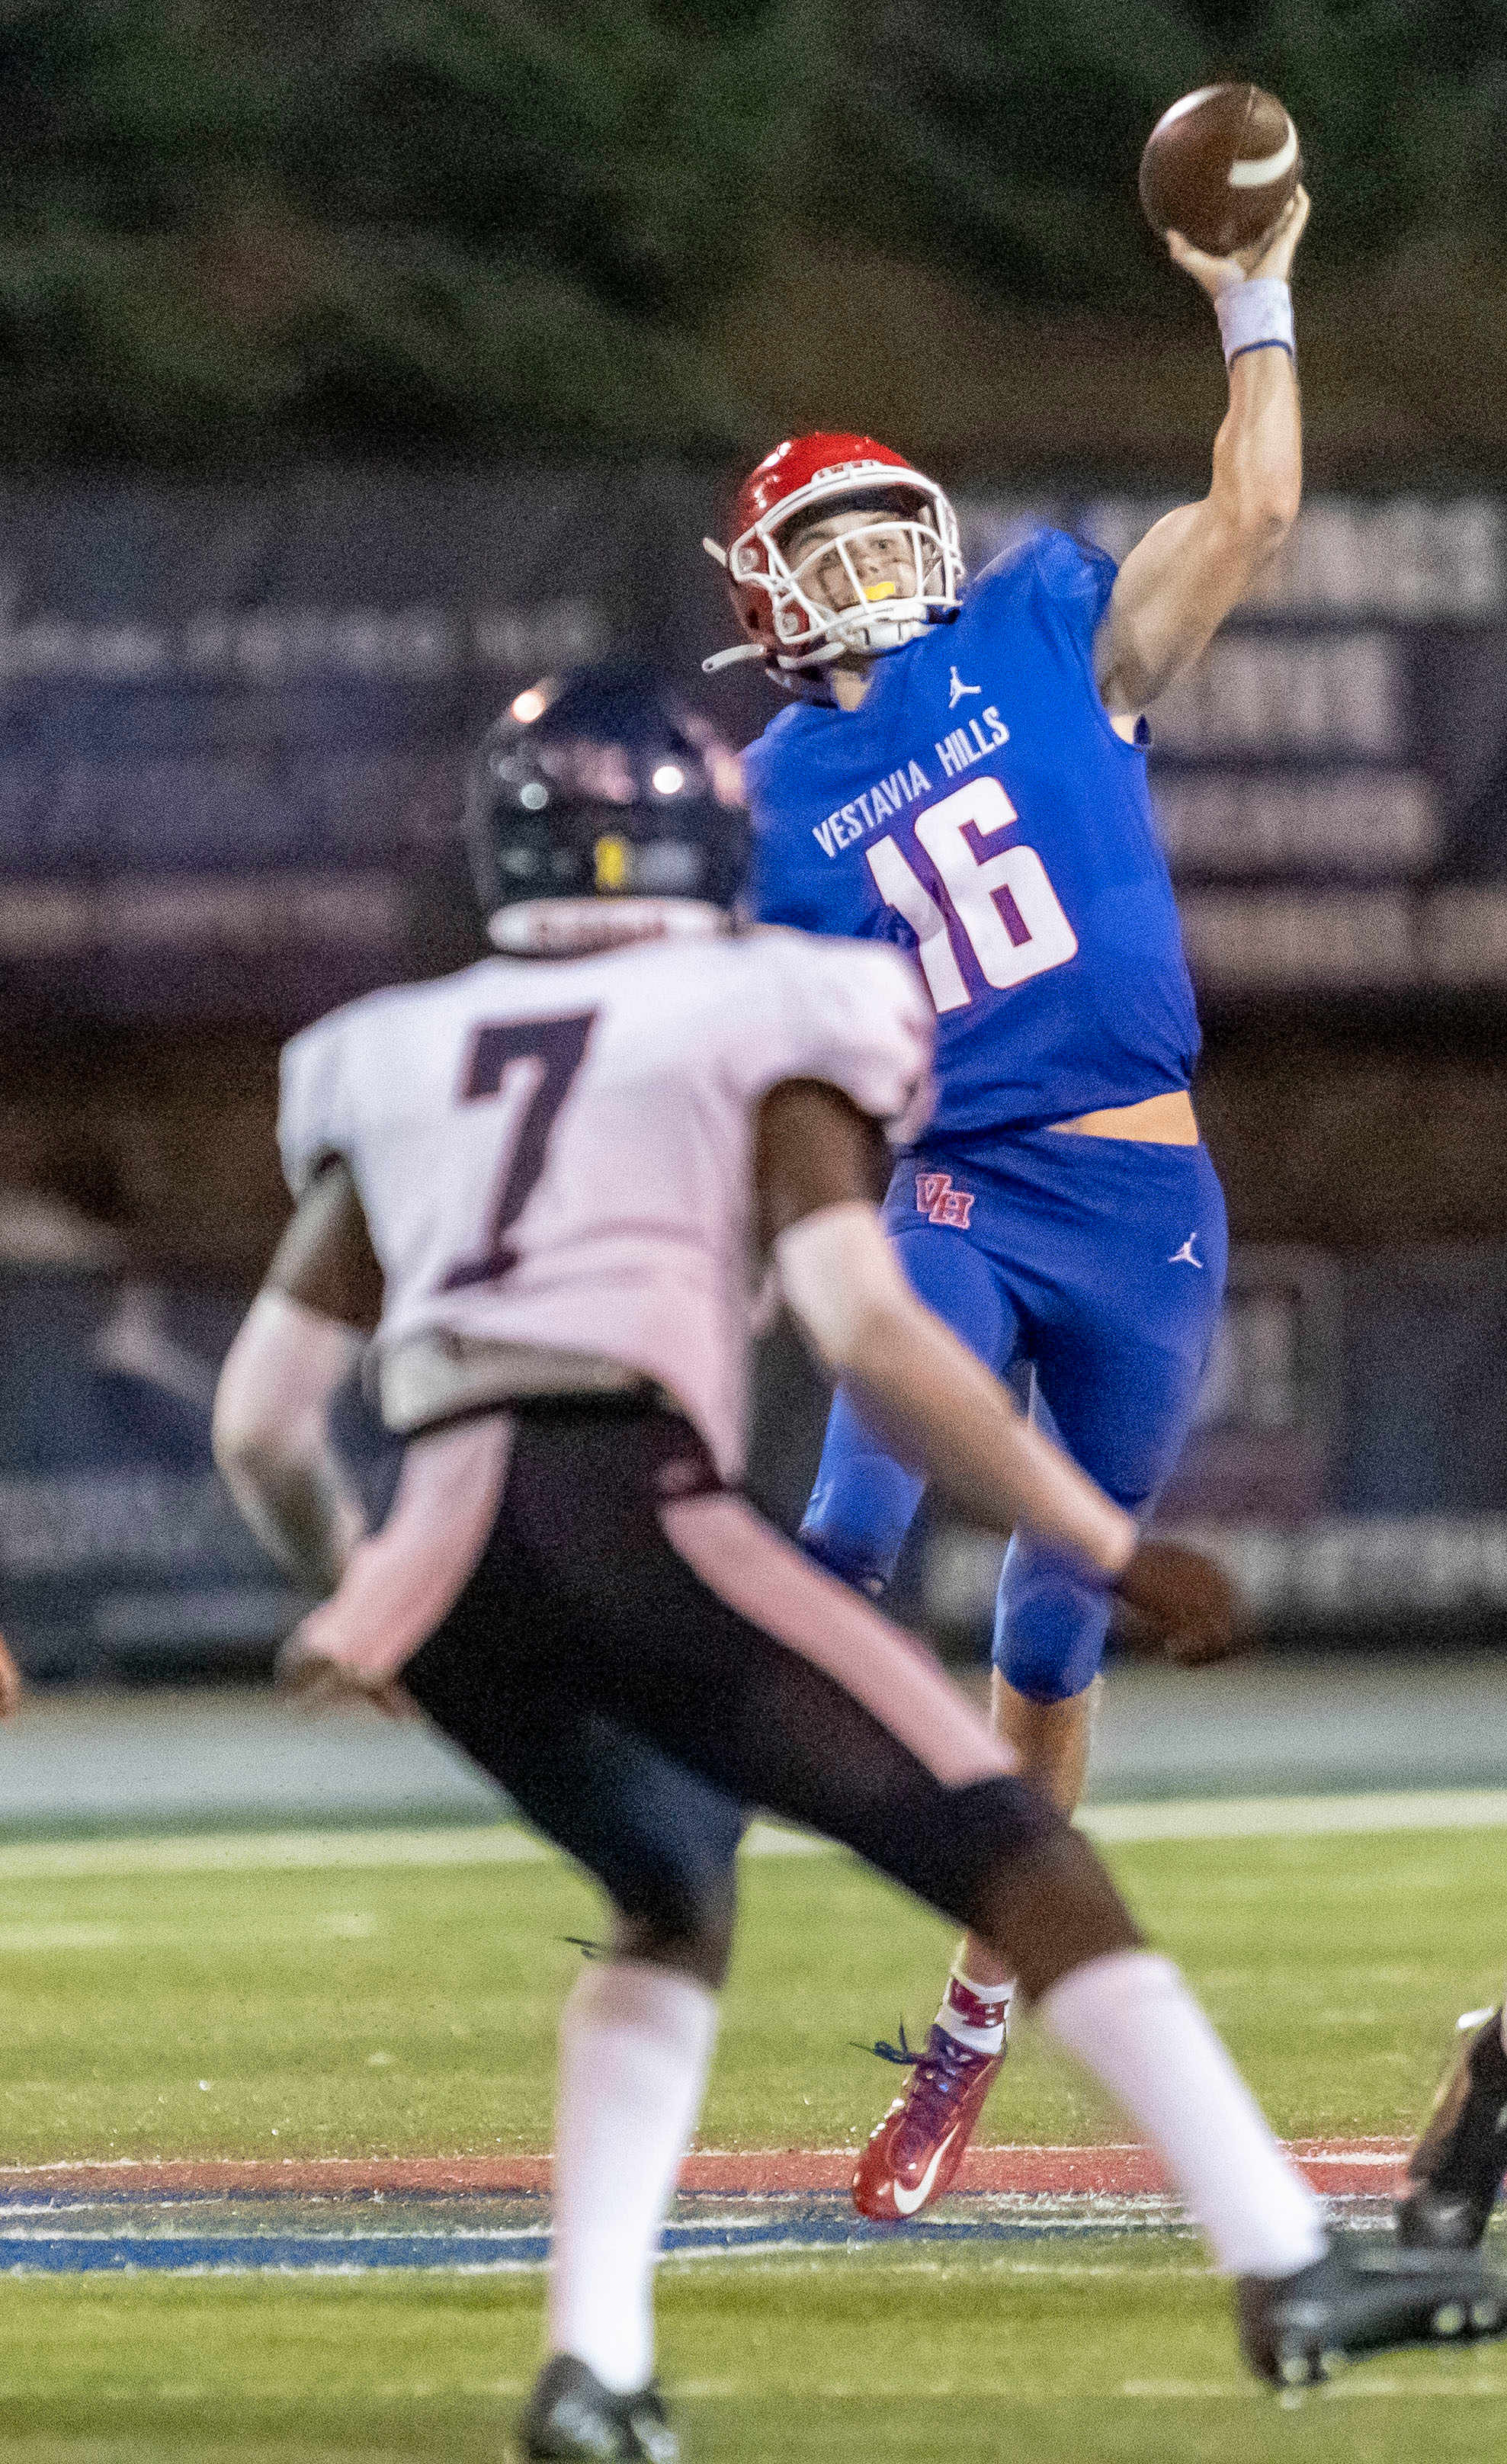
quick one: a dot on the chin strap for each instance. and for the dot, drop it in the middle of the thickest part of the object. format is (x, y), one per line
(776, 665)
(782, 671)
(789, 670)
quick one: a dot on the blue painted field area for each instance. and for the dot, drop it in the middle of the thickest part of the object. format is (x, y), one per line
(199, 2232)
(103, 2234)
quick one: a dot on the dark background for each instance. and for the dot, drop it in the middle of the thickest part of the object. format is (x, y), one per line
(244, 232)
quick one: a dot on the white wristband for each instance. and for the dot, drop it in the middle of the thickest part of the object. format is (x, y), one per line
(1255, 314)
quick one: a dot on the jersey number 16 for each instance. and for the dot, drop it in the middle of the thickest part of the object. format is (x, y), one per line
(1006, 905)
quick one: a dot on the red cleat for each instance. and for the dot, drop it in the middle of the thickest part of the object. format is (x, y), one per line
(913, 2154)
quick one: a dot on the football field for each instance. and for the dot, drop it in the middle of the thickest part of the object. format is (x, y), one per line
(205, 2023)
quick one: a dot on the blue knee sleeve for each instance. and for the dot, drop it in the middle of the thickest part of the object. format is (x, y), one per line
(862, 1505)
(1050, 1625)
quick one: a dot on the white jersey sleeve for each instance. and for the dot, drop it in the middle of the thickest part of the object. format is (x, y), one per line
(856, 1015)
(310, 1113)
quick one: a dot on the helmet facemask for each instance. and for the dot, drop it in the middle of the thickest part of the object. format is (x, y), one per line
(893, 570)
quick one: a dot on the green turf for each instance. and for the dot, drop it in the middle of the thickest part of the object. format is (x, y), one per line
(393, 2010)
(399, 2012)
(1119, 2353)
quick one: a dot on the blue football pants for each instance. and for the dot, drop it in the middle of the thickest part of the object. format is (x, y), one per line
(1100, 1261)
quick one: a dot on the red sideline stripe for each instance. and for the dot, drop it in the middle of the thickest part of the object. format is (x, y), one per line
(1339, 2168)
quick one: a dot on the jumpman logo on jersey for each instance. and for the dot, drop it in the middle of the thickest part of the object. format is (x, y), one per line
(1183, 1257)
(959, 689)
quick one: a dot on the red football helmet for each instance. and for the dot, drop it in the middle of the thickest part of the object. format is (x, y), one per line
(789, 627)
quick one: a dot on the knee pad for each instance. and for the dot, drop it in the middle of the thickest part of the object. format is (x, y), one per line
(1050, 1625)
(664, 1845)
(835, 1554)
(947, 1844)
(860, 1512)
(1047, 1904)
(679, 1899)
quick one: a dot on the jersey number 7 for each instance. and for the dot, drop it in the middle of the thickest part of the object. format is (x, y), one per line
(1006, 905)
(500, 1049)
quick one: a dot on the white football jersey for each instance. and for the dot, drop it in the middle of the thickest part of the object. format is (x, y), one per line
(558, 1152)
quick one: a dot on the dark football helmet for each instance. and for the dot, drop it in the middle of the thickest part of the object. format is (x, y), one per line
(601, 785)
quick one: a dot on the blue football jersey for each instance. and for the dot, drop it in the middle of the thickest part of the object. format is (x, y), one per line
(979, 809)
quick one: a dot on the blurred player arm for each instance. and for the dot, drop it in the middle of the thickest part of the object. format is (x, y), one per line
(301, 1338)
(820, 1164)
(1178, 584)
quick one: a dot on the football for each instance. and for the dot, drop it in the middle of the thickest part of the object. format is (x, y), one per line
(1219, 167)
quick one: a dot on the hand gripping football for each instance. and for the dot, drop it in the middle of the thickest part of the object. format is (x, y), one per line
(1219, 167)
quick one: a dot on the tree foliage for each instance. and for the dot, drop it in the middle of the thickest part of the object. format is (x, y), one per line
(237, 230)
(239, 227)
(1013, 131)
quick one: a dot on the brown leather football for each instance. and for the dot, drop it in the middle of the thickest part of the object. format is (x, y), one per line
(1219, 167)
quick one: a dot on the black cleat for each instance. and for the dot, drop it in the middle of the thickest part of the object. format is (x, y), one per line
(1455, 2172)
(570, 2413)
(1296, 2330)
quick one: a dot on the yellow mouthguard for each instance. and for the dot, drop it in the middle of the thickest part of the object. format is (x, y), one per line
(878, 590)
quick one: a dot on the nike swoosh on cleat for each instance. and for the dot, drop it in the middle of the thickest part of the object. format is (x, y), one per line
(906, 2201)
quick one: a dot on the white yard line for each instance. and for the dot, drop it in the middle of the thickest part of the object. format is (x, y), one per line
(1299, 1817)
(1242, 2390)
(270, 1851)
(472, 1844)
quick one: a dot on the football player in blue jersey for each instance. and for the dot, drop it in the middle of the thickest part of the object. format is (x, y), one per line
(963, 773)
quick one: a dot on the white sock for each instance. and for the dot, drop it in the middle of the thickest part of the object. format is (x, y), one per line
(1131, 2021)
(977, 2016)
(634, 2049)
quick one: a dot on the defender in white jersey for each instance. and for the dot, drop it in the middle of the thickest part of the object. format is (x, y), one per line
(549, 1185)
(621, 1090)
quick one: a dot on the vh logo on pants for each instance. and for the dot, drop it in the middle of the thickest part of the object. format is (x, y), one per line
(940, 1203)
